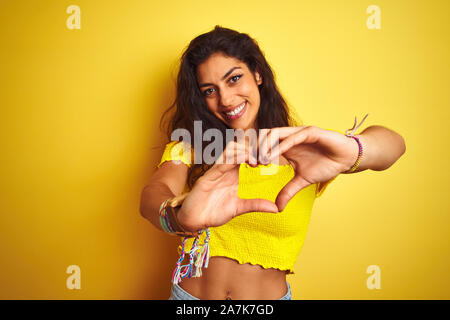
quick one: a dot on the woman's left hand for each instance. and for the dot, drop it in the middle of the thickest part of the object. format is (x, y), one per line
(317, 155)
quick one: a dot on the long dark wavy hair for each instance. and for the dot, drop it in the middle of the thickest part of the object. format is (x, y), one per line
(190, 104)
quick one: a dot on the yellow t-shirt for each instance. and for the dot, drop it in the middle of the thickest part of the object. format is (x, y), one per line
(271, 240)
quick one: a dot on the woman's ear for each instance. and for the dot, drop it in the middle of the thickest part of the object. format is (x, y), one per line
(258, 78)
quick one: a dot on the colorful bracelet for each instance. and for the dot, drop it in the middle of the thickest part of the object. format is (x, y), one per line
(164, 219)
(198, 259)
(198, 255)
(169, 223)
(351, 135)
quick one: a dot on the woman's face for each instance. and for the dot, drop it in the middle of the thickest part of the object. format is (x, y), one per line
(230, 90)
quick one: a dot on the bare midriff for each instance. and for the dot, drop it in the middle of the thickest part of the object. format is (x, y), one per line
(225, 279)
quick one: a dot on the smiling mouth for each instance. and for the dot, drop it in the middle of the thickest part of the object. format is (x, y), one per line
(236, 112)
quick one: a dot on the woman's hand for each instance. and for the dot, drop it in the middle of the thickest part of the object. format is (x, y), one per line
(317, 155)
(213, 201)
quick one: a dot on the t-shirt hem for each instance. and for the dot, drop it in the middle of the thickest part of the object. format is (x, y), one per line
(254, 263)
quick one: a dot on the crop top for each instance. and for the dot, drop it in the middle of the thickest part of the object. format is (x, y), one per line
(271, 240)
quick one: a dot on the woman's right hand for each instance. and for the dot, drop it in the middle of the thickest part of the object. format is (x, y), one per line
(214, 200)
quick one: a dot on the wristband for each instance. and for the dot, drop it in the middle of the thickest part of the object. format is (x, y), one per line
(351, 135)
(198, 255)
(168, 218)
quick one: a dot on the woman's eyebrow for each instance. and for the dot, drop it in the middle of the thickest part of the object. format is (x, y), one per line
(223, 78)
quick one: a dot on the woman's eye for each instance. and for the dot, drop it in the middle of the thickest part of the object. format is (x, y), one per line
(207, 92)
(235, 78)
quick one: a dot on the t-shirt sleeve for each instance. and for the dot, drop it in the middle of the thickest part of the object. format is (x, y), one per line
(178, 151)
(321, 186)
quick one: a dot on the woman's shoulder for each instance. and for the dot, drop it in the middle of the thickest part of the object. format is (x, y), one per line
(178, 151)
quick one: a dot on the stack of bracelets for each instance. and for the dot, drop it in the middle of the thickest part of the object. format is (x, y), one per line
(199, 254)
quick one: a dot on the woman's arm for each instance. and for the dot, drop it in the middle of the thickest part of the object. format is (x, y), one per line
(212, 201)
(382, 147)
(318, 155)
(167, 182)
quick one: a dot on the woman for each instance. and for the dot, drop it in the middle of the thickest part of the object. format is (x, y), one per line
(255, 221)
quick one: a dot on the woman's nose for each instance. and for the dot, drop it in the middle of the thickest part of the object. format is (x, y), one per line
(226, 98)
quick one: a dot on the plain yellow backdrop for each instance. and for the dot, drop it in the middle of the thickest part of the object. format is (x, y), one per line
(79, 120)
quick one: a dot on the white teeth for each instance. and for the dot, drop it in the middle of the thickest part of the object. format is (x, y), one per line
(237, 110)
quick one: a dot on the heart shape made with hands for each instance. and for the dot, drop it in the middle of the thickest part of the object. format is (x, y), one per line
(316, 155)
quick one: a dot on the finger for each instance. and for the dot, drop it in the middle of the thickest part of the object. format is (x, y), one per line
(225, 162)
(218, 170)
(255, 205)
(284, 132)
(273, 142)
(251, 160)
(232, 157)
(289, 190)
(263, 146)
(306, 135)
(249, 141)
(249, 151)
(240, 152)
(229, 154)
(273, 138)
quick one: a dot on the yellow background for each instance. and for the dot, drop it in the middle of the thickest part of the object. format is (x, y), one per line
(79, 125)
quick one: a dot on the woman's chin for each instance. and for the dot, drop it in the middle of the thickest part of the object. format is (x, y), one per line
(241, 123)
(242, 126)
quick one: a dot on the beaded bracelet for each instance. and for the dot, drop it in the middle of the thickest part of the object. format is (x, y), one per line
(351, 135)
